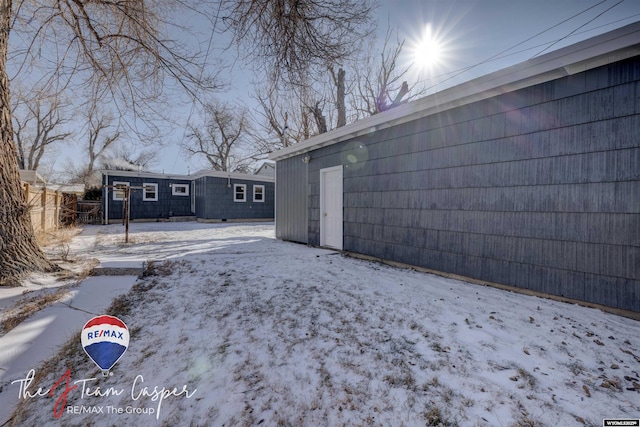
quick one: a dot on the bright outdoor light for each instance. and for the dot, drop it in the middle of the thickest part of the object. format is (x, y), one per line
(427, 51)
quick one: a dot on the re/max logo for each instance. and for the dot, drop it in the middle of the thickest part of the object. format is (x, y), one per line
(103, 333)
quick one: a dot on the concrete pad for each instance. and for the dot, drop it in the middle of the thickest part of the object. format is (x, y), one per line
(96, 293)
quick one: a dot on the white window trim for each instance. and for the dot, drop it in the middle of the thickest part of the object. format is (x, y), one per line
(254, 193)
(144, 191)
(244, 192)
(174, 186)
(115, 190)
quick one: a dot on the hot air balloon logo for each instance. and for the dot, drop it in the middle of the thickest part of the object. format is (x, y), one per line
(105, 339)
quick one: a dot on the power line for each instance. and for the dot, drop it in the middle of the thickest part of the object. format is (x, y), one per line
(586, 23)
(500, 54)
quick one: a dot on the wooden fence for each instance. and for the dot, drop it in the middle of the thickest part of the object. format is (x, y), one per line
(45, 206)
(88, 212)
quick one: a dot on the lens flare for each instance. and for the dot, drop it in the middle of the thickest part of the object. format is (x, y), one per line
(428, 50)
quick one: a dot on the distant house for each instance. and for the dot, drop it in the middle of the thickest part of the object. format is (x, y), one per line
(267, 169)
(32, 177)
(527, 177)
(204, 196)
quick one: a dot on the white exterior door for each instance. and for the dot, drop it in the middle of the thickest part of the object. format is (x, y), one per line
(331, 207)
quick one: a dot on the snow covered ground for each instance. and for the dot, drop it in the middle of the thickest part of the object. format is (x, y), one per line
(232, 327)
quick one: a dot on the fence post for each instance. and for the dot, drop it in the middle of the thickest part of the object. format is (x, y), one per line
(43, 203)
(57, 212)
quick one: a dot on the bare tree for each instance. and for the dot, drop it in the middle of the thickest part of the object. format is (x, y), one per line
(114, 46)
(37, 118)
(291, 40)
(378, 85)
(283, 119)
(341, 94)
(101, 134)
(339, 100)
(221, 138)
(379, 79)
(319, 117)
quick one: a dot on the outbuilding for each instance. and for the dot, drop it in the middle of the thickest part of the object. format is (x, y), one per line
(208, 196)
(527, 177)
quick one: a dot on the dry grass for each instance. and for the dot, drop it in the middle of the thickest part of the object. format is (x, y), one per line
(155, 268)
(58, 241)
(526, 422)
(26, 307)
(56, 246)
(435, 418)
(71, 352)
(122, 305)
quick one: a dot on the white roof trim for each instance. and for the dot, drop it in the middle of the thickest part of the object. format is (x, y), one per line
(606, 48)
(232, 175)
(199, 174)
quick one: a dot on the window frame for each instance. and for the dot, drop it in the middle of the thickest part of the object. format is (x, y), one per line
(117, 191)
(184, 194)
(145, 198)
(261, 187)
(244, 192)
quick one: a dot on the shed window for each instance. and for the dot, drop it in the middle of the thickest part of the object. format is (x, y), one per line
(258, 193)
(180, 189)
(239, 193)
(118, 194)
(150, 192)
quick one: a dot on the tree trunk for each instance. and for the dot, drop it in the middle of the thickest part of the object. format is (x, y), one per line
(321, 120)
(340, 99)
(19, 252)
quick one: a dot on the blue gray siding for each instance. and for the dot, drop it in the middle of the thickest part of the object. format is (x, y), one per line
(213, 196)
(292, 204)
(215, 199)
(166, 206)
(538, 189)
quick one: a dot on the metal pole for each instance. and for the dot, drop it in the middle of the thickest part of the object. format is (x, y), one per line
(128, 194)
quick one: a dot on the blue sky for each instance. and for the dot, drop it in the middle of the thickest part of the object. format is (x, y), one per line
(475, 30)
(469, 32)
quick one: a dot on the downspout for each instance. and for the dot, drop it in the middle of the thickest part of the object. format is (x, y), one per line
(106, 199)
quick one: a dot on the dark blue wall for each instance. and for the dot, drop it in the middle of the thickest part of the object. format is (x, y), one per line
(215, 199)
(166, 206)
(537, 188)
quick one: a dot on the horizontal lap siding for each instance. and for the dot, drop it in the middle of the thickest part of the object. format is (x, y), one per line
(166, 206)
(213, 199)
(538, 189)
(216, 198)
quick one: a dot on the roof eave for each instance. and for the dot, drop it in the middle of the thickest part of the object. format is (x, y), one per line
(613, 46)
